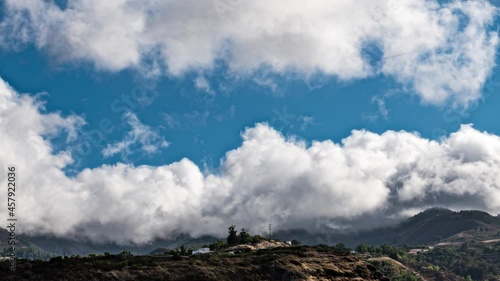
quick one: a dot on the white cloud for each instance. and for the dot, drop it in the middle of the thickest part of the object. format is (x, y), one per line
(201, 83)
(171, 120)
(267, 177)
(140, 136)
(444, 52)
(381, 112)
(268, 82)
(449, 60)
(306, 121)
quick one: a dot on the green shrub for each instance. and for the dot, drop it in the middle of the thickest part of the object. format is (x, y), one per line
(125, 254)
(135, 267)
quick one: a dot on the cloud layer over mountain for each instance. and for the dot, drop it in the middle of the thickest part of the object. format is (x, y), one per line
(442, 52)
(269, 177)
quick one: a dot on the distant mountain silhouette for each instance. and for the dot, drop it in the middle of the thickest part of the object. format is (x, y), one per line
(435, 225)
(432, 226)
(66, 246)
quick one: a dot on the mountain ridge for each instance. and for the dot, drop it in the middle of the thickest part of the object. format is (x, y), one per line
(431, 226)
(434, 225)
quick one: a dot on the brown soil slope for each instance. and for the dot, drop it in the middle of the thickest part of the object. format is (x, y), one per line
(294, 263)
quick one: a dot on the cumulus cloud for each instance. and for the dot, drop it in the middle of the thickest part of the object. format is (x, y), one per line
(442, 51)
(268, 177)
(140, 137)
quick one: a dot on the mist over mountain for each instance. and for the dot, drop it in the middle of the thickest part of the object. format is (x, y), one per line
(435, 225)
(426, 228)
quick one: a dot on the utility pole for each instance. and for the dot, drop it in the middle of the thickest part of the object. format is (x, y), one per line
(270, 231)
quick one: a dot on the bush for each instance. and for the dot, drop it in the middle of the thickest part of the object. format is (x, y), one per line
(135, 267)
(405, 276)
(342, 247)
(257, 239)
(125, 254)
(176, 256)
(218, 245)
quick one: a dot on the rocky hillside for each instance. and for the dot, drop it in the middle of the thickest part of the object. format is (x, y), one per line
(292, 263)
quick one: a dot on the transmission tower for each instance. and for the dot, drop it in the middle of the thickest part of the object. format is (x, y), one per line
(270, 231)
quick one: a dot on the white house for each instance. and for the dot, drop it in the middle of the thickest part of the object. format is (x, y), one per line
(201, 251)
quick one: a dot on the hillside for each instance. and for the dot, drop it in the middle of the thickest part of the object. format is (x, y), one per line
(4, 237)
(459, 245)
(434, 226)
(292, 263)
(68, 247)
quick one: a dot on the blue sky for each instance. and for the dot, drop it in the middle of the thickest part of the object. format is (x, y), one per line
(276, 108)
(210, 124)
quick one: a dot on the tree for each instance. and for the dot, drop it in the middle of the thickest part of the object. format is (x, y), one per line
(257, 239)
(245, 237)
(176, 256)
(363, 248)
(464, 247)
(183, 249)
(232, 238)
(342, 247)
(405, 276)
(296, 242)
